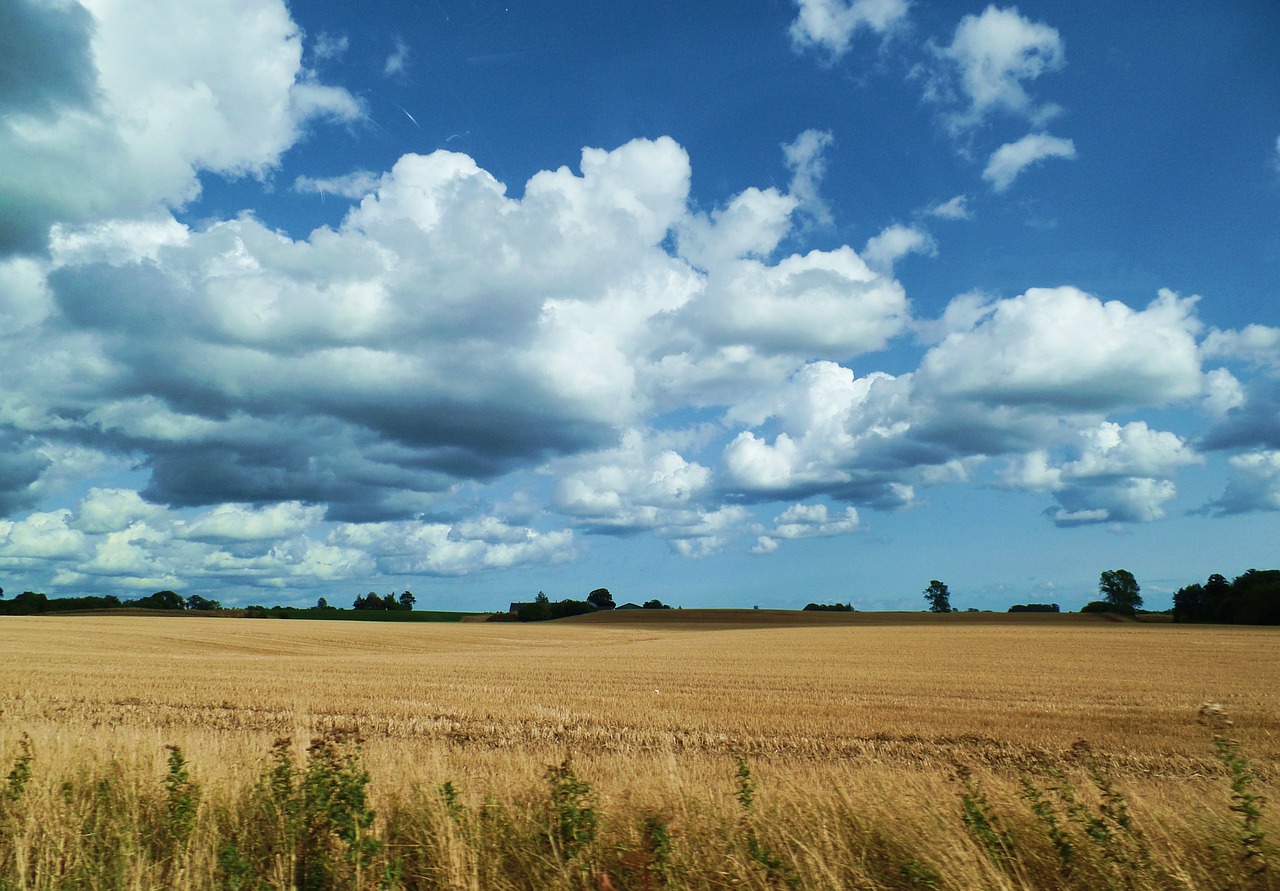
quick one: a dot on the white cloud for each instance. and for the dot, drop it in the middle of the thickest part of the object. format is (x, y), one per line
(1275, 158)
(830, 25)
(176, 90)
(397, 60)
(894, 243)
(807, 521)
(805, 158)
(1121, 473)
(243, 522)
(1008, 161)
(1254, 483)
(351, 185)
(329, 46)
(828, 303)
(1223, 392)
(956, 208)
(994, 55)
(1064, 349)
(1258, 344)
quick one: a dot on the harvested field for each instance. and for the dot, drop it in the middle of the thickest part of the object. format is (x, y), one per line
(656, 707)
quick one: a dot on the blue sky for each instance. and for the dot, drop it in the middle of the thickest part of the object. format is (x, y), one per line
(724, 304)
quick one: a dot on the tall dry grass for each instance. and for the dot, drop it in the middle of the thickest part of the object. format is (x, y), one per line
(588, 755)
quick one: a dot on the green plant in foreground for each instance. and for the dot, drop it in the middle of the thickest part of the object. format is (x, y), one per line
(16, 782)
(982, 822)
(775, 867)
(1244, 801)
(182, 799)
(337, 841)
(573, 815)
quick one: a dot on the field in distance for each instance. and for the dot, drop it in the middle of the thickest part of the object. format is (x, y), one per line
(656, 707)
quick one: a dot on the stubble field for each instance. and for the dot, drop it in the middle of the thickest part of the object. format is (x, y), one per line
(687, 749)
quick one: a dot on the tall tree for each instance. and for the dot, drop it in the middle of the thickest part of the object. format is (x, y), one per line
(407, 600)
(1120, 590)
(938, 596)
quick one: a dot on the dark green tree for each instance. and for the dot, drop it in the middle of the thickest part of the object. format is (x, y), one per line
(1120, 591)
(407, 600)
(938, 596)
(161, 600)
(195, 601)
(600, 598)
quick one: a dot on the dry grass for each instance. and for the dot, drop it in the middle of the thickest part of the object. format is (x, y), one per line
(857, 728)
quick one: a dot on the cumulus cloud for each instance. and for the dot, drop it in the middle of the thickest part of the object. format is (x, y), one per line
(1008, 161)
(142, 97)
(807, 521)
(1120, 473)
(1253, 485)
(1063, 348)
(830, 25)
(991, 58)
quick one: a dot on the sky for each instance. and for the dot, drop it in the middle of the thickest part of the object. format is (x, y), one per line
(728, 304)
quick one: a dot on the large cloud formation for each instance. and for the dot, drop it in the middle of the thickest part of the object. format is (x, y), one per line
(309, 410)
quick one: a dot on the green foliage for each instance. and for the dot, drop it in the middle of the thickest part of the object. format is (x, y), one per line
(16, 782)
(1251, 599)
(1120, 591)
(983, 823)
(939, 597)
(828, 607)
(1034, 608)
(160, 600)
(182, 800)
(573, 817)
(1244, 801)
(336, 842)
(544, 610)
(600, 598)
(776, 869)
(654, 604)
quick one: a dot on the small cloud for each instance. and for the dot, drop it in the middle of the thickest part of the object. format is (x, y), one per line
(955, 209)
(895, 242)
(1275, 158)
(329, 46)
(831, 24)
(1008, 161)
(993, 55)
(397, 61)
(805, 158)
(352, 185)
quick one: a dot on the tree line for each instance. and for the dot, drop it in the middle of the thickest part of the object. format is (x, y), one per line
(1251, 599)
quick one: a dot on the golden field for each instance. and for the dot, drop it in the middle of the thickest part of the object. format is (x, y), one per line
(869, 736)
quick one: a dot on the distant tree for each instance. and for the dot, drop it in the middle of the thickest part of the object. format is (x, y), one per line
(322, 603)
(1034, 608)
(938, 596)
(828, 607)
(1120, 590)
(655, 604)
(600, 598)
(161, 600)
(407, 600)
(367, 601)
(541, 598)
(195, 601)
